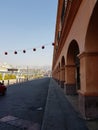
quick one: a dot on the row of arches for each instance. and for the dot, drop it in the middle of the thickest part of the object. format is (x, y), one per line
(77, 69)
(69, 71)
(78, 74)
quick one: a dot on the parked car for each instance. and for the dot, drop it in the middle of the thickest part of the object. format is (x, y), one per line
(2, 89)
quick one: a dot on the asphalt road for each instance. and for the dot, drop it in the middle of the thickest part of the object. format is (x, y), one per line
(22, 108)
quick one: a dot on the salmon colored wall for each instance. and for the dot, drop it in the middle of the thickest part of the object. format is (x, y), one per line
(81, 31)
(89, 72)
(70, 74)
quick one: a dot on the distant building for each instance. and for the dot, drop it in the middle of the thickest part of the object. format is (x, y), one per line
(3, 69)
(75, 57)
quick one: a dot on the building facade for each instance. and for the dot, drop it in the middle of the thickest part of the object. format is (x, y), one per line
(75, 56)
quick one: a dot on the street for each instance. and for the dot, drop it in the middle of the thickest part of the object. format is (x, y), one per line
(22, 108)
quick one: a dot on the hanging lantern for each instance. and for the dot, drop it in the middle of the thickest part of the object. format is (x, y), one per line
(24, 51)
(15, 52)
(53, 44)
(43, 47)
(34, 49)
(6, 53)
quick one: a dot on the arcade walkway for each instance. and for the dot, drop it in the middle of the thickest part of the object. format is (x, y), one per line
(59, 113)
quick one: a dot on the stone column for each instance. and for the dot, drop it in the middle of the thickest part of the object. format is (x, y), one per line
(70, 85)
(62, 76)
(56, 75)
(59, 76)
(88, 93)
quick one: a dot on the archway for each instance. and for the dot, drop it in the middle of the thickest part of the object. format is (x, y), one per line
(91, 42)
(72, 68)
(88, 95)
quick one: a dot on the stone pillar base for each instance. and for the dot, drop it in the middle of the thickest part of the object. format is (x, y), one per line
(62, 84)
(70, 89)
(88, 106)
(58, 81)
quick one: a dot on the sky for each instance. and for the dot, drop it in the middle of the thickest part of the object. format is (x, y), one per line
(24, 25)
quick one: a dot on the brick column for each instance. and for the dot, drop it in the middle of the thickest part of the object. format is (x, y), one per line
(59, 76)
(62, 77)
(88, 93)
(70, 85)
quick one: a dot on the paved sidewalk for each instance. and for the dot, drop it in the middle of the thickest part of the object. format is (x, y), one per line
(59, 113)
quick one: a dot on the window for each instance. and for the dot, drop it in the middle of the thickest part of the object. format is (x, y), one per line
(63, 10)
(58, 37)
